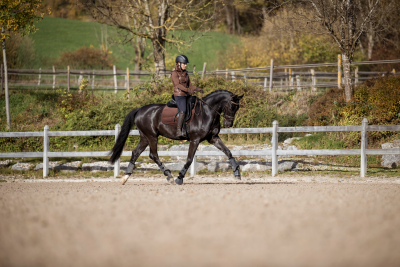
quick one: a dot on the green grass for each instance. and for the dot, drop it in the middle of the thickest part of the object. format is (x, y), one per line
(57, 35)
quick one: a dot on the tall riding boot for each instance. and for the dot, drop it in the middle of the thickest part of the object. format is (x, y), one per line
(180, 118)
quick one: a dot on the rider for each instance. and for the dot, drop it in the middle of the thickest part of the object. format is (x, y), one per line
(182, 88)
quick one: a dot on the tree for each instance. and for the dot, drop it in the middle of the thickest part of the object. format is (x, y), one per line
(17, 16)
(340, 19)
(153, 20)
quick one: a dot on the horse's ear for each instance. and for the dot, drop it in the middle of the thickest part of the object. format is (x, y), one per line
(240, 97)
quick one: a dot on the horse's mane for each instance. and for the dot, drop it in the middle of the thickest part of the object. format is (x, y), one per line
(217, 92)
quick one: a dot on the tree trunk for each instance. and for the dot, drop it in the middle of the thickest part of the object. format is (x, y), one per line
(6, 83)
(228, 16)
(348, 84)
(370, 36)
(159, 56)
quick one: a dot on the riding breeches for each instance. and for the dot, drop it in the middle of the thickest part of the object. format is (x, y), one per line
(181, 102)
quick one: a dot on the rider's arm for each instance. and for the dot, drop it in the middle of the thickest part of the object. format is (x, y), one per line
(175, 82)
(191, 86)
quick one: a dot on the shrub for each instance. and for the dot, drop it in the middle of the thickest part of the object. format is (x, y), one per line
(87, 58)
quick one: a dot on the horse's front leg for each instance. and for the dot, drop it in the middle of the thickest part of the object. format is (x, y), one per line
(192, 151)
(217, 142)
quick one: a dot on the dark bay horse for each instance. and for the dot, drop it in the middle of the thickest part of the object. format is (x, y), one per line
(205, 125)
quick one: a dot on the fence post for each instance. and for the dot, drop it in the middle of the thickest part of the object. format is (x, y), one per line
(226, 74)
(193, 167)
(40, 75)
(364, 145)
(233, 76)
(204, 70)
(127, 80)
(313, 80)
(339, 75)
(68, 74)
(93, 80)
(117, 163)
(245, 78)
(115, 78)
(2, 80)
(80, 81)
(54, 77)
(286, 78)
(265, 83)
(194, 69)
(275, 126)
(45, 151)
(298, 82)
(356, 76)
(271, 73)
(290, 79)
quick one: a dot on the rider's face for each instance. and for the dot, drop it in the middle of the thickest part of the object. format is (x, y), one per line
(183, 66)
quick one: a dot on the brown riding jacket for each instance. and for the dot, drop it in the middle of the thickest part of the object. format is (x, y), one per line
(181, 81)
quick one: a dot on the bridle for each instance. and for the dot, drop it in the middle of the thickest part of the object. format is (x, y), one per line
(224, 108)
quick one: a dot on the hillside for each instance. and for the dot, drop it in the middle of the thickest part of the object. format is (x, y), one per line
(57, 35)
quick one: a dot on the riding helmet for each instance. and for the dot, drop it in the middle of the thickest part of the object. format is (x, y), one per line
(182, 59)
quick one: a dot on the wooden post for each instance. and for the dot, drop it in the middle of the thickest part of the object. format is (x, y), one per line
(68, 77)
(265, 83)
(45, 151)
(193, 167)
(298, 82)
(281, 83)
(271, 73)
(2, 81)
(226, 74)
(54, 77)
(204, 70)
(364, 145)
(117, 163)
(233, 76)
(40, 75)
(286, 78)
(80, 81)
(339, 71)
(115, 79)
(93, 80)
(194, 69)
(290, 79)
(216, 72)
(245, 78)
(275, 126)
(313, 88)
(356, 76)
(127, 80)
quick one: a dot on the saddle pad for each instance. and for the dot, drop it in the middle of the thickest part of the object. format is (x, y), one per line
(168, 116)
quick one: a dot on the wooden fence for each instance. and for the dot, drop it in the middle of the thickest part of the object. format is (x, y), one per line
(274, 152)
(285, 77)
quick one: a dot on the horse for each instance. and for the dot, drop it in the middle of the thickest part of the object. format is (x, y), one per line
(205, 125)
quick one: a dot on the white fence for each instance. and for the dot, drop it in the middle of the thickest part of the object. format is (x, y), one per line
(274, 152)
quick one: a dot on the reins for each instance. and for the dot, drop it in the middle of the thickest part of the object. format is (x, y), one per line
(225, 116)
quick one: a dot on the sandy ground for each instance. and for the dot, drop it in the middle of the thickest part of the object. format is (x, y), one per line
(307, 221)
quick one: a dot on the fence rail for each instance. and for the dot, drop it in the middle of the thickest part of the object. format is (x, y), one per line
(268, 76)
(274, 152)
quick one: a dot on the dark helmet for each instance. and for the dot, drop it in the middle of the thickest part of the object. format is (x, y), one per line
(182, 59)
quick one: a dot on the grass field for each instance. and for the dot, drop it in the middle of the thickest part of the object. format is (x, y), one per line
(57, 35)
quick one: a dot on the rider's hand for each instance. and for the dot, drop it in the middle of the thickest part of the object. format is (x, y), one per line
(191, 91)
(198, 89)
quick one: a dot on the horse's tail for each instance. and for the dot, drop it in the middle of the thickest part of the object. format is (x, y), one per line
(129, 121)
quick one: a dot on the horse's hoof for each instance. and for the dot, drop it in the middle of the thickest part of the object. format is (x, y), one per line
(179, 181)
(238, 178)
(124, 179)
(170, 180)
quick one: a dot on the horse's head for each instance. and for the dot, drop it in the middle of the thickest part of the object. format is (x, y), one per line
(230, 109)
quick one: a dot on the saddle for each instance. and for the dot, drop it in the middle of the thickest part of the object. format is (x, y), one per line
(168, 115)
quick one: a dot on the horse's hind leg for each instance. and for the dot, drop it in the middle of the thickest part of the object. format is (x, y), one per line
(154, 156)
(143, 143)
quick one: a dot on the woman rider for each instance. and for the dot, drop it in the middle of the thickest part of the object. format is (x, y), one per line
(182, 88)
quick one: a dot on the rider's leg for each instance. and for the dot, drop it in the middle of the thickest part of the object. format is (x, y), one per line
(143, 143)
(192, 151)
(181, 102)
(217, 142)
